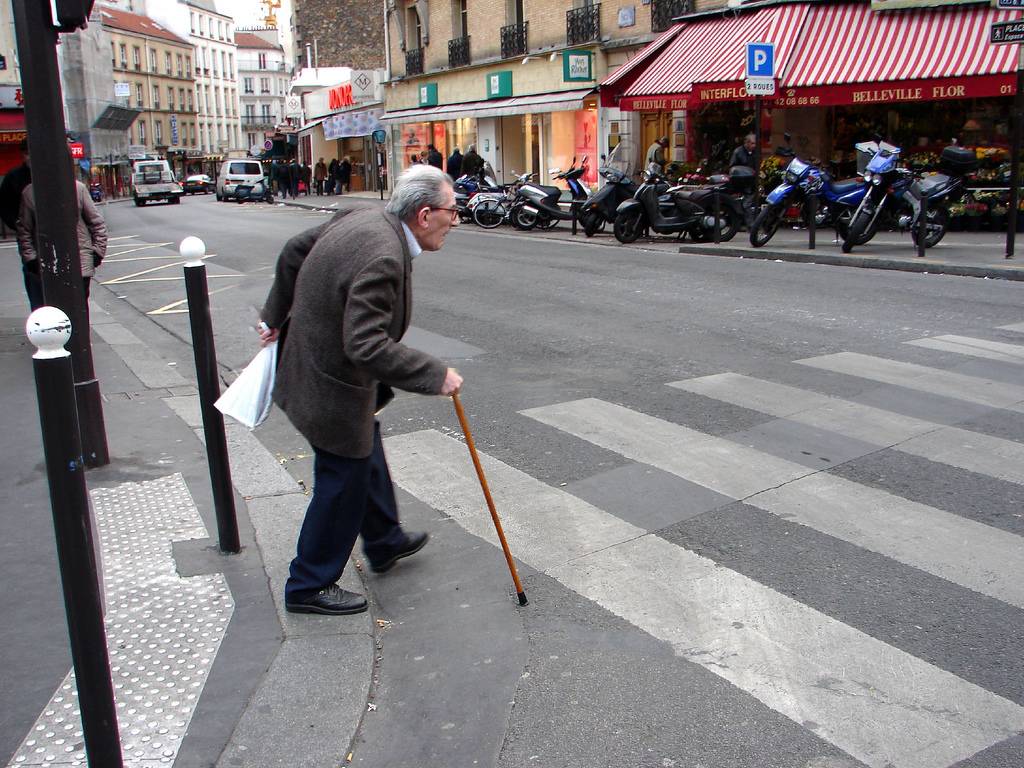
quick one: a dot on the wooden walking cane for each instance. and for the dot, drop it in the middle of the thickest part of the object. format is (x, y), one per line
(487, 495)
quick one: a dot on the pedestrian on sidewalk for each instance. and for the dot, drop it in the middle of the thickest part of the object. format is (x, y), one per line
(472, 163)
(92, 237)
(13, 185)
(344, 175)
(455, 164)
(332, 176)
(319, 174)
(345, 312)
(434, 157)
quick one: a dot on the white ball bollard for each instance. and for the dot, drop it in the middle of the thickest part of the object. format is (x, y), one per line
(49, 330)
(192, 249)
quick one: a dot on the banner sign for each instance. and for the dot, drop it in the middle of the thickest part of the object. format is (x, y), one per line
(362, 123)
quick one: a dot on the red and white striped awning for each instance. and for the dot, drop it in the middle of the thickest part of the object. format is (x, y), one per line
(780, 25)
(921, 54)
(653, 48)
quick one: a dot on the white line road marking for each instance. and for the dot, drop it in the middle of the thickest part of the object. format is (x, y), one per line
(171, 279)
(147, 247)
(973, 451)
(881, 705)
(964, 552)
(965, 345)
(1019, 327)
(972, 389)
(125, 278)
(172, 308)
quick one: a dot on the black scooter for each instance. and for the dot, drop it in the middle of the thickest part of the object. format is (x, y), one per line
(599, 209)
(537, 204)
(679, 211)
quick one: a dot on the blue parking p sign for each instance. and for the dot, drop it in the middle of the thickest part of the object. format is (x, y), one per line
(760, 59)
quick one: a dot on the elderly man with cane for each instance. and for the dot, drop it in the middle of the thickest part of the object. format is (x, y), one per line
(340, 319)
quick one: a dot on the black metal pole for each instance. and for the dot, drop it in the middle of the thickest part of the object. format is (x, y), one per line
(49, 328)
(922, 227)
(54, 193)
(757, 152)
(718, 218)
(209, 391)
(1018, 119)
(812, 220)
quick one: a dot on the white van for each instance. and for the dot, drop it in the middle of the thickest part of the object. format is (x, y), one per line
(235, 172)
(153, 180)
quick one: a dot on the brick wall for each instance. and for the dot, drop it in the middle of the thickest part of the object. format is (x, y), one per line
(349, 34)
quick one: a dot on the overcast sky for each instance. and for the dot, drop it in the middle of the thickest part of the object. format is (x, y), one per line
(248, 13)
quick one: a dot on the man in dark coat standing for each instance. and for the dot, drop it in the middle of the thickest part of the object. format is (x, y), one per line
(472, 163)
(13, 185)
(347, 309)
(455, 164)
(434, 157)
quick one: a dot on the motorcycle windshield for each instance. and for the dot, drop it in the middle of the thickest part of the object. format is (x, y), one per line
(885, 159)
(797, 167)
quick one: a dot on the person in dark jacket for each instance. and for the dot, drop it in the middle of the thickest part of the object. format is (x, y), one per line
(319, 174)
(331, 182)
(13, 185)
(347, 306)
(455, 164)
(294, 174)
(744, 153)
(472, 163)
(344, 175)
(434, 157)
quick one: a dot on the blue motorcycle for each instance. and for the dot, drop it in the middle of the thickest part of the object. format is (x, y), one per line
(836, 201)
(885, 202)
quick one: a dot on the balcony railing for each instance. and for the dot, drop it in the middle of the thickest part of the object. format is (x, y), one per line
(458, 52)
(513, 40)
(663, 11)
(583, 24)
(258, 122)
(414, 61)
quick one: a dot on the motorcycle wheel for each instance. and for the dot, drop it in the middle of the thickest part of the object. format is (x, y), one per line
(523, 219)
(593, 222)
(628, 226)
(489, 214)
(546, 222)
(766, 225)
(935, 228)
(861, 230)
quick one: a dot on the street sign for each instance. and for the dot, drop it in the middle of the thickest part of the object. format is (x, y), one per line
(760, 60)
(174, 130)
(1009, 4)
(380, 135)
(268, 145)
(1006, 32)
(122, 90)
(760, 86)
(77, 150)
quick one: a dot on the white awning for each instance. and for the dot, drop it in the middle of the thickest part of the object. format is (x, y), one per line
(517, 105)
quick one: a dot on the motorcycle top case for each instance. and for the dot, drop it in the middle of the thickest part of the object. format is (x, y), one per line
(958, 161)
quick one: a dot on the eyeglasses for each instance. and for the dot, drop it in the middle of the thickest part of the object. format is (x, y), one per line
(453, 211)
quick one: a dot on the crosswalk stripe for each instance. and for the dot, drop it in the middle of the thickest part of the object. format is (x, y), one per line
(965, 345)
(881, 705)
(962, 551)
(972, 389)
(1019, 327)
(983, 454)
(699, 457)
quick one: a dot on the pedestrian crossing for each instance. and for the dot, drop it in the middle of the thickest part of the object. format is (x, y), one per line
(879, 703)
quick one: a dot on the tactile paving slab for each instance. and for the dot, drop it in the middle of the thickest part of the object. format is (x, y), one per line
(163, 631)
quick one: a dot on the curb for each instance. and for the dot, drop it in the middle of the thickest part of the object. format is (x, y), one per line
(864, 262)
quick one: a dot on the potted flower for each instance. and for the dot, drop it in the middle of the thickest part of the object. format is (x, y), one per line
(956, 217)
(973, 212)
(997, 217)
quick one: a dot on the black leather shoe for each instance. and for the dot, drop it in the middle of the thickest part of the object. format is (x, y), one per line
(414, 542)
(332, 601)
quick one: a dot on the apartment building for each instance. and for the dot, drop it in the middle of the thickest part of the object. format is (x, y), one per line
(212, 35)
(517, 78)
(156, 66)
(263, 74)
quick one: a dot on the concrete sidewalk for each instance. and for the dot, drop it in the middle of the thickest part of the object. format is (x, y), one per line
(968, 254)
(208, 668)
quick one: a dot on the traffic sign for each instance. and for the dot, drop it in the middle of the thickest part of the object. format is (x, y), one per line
(1006, 32)
(268, 145)
(1009, 3)
(760, 86)
(760, 60)
(380, 135)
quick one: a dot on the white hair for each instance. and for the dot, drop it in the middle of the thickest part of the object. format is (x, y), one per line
(417, 187)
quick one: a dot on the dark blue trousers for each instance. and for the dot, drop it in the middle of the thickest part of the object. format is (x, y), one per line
(350, 497)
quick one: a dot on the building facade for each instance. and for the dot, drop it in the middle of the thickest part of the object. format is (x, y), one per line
(216, 79)
(327, 33)
(263, 74)
(155, 67)
(516, 78)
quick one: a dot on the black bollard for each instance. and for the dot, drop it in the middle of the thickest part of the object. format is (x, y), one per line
(922, 227)
(812, 220)
(718, 218)
(574, 209)
(50, 329)
(193, 249)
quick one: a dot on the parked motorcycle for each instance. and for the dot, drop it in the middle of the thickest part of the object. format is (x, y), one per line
(538, 204)
(95, 192)
(938, 190)
(599, 209)
(254, 193)
(883, 201)
(467, 187)
(679, 211)
(835, 201)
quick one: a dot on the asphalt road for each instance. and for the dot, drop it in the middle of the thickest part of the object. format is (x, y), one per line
(797, 563)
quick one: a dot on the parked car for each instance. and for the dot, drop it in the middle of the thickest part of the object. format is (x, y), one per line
(199, 184)
(153, 180)
(235, 172)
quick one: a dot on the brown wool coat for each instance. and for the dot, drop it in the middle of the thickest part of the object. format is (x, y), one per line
(92, 229)
(351, 305)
